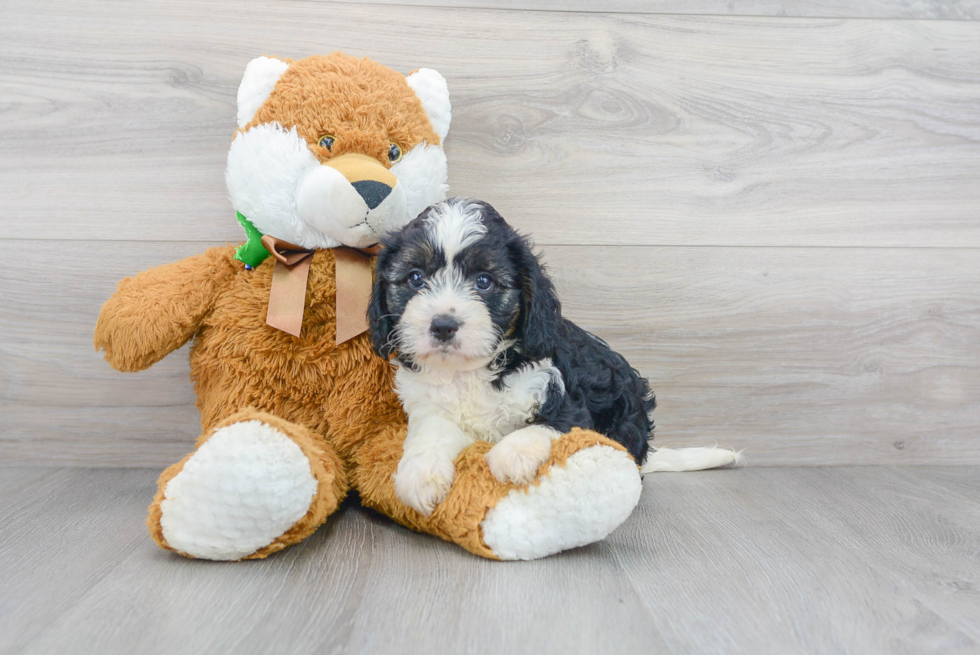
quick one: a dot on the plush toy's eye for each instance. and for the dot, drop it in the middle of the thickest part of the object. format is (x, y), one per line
(394, 153)
(326, 141)
(416, 279)
(483, 282)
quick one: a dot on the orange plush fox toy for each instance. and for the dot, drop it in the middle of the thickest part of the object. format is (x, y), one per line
(330, 152)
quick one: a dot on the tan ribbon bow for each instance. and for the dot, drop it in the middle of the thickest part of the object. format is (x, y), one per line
(287, 298)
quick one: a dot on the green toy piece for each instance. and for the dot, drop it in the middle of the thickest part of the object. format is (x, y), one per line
(252, 252)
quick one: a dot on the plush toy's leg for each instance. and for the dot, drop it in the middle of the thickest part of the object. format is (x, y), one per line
(585, 490)
(254, 485)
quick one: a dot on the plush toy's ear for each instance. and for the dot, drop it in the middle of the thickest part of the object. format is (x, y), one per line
(432, 90)
(540, 308)
(259, 79)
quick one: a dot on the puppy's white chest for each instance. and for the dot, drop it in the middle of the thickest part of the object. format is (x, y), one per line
(469, 399)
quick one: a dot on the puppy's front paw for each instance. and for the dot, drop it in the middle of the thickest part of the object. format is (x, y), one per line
(422, 481)
(519, 455)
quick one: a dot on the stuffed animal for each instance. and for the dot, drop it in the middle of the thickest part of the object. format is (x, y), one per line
(296, 409)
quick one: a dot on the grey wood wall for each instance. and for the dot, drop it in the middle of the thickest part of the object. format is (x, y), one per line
(774, 214)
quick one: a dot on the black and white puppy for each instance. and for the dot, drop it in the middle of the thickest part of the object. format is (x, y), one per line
(483, 352)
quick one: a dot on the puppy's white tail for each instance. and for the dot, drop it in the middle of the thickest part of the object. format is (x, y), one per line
(689, 459)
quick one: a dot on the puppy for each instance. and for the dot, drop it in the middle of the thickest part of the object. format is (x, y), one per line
(483, 352)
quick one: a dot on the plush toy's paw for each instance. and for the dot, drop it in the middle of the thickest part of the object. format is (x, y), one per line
(244, 487)
(519, 455)
(572, 505)
(422, 481)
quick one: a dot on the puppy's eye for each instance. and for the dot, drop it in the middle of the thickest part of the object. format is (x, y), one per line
(483, 282)
(326, 141)
(394, 153)
(416, 280)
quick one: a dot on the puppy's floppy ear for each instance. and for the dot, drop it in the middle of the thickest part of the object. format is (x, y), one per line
(540, 319)
(380, 321)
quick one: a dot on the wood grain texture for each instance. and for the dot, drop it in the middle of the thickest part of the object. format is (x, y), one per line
(860, 560)
(799, 356)
(912, 9)
(615, 129)
(841, 546)
(774, 218)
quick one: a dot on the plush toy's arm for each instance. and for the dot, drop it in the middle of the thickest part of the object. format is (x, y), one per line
(159, 310)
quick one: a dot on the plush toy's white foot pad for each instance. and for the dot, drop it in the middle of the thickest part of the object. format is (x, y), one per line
(574, 505)
(243, 488)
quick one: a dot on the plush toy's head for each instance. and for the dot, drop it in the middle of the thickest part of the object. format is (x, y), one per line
(334, 150)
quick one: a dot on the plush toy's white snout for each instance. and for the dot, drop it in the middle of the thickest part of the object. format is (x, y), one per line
(352, 198)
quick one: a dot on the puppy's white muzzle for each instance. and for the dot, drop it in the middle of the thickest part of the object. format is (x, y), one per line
(446, 325)
(351, 198)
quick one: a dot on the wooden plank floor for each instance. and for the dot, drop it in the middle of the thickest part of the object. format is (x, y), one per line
(914, 9)
(616, 129)
(811, 356)
(772, 208)
(819, 560)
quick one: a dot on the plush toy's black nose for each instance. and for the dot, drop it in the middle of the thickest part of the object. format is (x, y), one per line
(444, 327)
(372, 192)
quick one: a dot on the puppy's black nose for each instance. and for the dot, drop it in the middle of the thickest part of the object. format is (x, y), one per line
(444, 327)
(372, 192)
